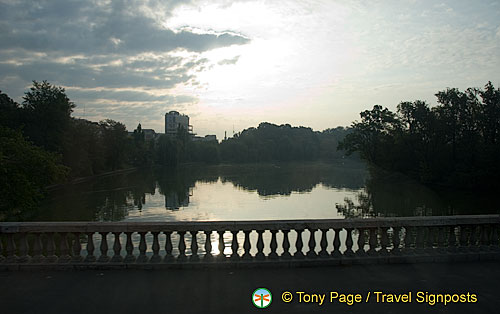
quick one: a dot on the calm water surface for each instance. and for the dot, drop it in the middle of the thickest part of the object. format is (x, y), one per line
(251, 192)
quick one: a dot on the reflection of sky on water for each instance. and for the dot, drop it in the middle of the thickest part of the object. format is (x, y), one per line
(225, 201)
(253, 192)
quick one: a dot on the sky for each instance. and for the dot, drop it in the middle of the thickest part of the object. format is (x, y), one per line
(230, 65)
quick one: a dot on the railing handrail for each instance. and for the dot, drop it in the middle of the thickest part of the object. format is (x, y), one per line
(137, 226)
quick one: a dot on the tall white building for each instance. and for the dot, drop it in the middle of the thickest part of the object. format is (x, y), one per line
(174, 120)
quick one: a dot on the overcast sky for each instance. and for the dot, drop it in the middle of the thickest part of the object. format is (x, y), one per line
(224, 63)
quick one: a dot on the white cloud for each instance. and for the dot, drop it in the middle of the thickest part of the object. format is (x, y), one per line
(316, 63)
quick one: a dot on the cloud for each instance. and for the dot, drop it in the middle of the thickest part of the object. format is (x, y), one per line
(76, 27)
(111, 45)
(126, 96)
(229, 61)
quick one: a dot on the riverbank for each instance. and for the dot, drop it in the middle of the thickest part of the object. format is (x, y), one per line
(89, 178)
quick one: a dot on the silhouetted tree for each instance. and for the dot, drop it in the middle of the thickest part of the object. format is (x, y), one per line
(454, 143)
(10, 112)
(46, 115)
(115, 143)
(25, 171)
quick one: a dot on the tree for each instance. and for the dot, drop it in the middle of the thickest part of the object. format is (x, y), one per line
(10, 112)
(373, 135)
(115, 143)
(25, 171)
(455, 143)
(489, 114)
(46, 114)
(84, 148)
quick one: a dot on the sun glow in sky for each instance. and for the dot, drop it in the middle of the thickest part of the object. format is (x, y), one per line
(238, 63)
(282, 72)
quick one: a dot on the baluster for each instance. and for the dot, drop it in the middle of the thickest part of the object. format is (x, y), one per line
(168, 247)
(156, 258)
(23, 249)
(260, 245)
(142, 258)
(372, 241)
(104, 248)
(408, 241)
(246, 245)
(484, 238)
(361, 242)
(182, 246)
(336, 243)
(323, 243)
(221, 255)
(208, 246)
(440, 239)
(273, 245)
(37, 248)
(90, 248)
(384, 241)
(494, 238)
(396, 240)
(429, 245)
(311, 253)
(419, 245)
(129, 247)
(348, 243)
(77, 248)
(51, 248)
(234, 245)
(117, 248)
(463, 238)
(452, 240)
(475, 238)
(11, 249)
(298, 244)
(64, 249)
(194, 246)
(2, 258)
(286, 245)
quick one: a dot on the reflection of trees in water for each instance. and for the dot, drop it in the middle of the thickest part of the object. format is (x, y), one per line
(362, 209)
(283, 179)
(130, 194)
(106, 198)
(267, 179)
(389, 194)
(176, 183)
(111, 198)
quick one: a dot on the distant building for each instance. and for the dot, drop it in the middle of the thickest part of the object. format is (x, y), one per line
(149, 134)
(174, 120)
(207, 138)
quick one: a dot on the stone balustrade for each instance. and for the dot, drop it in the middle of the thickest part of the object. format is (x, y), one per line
(25, 245)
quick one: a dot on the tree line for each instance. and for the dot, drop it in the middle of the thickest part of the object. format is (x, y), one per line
(42, 144)
(455, 143)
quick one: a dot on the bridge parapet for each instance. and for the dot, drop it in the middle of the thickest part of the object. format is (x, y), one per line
(74, 245)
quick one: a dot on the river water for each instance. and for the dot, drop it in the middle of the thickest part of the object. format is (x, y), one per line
(252, 192)
(197, 192)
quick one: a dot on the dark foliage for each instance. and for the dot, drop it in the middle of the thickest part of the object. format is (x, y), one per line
(456, 143)
(270, 142)
(25, 171)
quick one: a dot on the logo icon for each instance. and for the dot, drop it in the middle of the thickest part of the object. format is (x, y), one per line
(261, 298)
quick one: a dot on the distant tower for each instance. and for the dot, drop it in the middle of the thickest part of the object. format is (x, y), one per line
(225, 135)
(174, 120)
